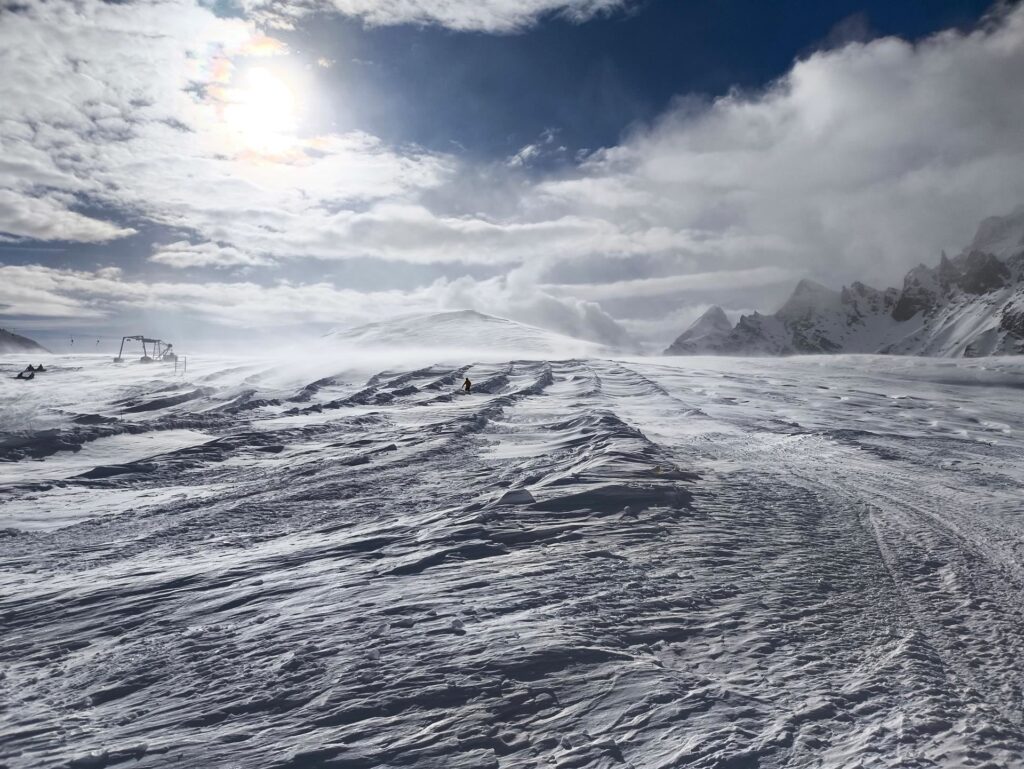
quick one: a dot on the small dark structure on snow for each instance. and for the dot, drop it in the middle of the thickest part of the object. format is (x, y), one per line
(29, 372)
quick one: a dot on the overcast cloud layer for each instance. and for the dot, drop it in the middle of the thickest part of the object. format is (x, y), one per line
(861, 162)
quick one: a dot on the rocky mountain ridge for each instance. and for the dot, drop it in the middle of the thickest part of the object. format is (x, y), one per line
(970, 305)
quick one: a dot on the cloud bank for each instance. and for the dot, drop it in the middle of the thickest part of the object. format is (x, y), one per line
(866, 158)
(100, 297)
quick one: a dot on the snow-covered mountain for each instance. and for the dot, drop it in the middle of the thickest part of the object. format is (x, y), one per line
(463, 330)
(709, 330)
(970, 305)
(15, 343)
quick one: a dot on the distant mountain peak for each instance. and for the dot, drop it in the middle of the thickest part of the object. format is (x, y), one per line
(808, 286)
(714, 315)
(809, 296)
(710, 328)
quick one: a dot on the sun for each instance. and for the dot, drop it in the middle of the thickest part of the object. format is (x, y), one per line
(262, 111)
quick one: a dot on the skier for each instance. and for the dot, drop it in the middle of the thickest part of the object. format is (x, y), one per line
(467, 385)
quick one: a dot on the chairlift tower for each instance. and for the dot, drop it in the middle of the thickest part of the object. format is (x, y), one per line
(152, 349)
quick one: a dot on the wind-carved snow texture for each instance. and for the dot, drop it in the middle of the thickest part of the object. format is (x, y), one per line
(585, 563)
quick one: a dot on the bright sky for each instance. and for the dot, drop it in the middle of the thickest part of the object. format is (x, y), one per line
(600, 167)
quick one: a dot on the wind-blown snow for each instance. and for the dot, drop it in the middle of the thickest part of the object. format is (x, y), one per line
(462, 332)
(700, 562)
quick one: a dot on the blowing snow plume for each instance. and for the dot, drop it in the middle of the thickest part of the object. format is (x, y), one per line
(465, 333)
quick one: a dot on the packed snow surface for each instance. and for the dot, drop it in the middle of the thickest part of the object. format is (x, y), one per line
(673, 562)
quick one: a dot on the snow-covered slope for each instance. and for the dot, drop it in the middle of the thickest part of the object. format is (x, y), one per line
(463, 330)
(809, 563)
(15, 343)
(969, 305)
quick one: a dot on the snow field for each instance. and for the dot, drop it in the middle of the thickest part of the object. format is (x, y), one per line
(585, 563)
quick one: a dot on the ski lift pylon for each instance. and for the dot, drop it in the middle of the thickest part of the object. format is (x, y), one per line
(152, 349)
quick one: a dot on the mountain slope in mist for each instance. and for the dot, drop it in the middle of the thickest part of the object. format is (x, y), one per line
(15, 343)
(970, 305)
(707, 332)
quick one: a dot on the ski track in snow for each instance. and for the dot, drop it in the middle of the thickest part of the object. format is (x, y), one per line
(810, 562)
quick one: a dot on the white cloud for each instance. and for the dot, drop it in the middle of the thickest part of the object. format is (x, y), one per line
(465, 15)
(156, 109)
(528, 154)
(183, 254)
(47, 217)
(860, 162)
(68, 296)
(722, 281)
(517, 296)
(36, 291)
(33, 290)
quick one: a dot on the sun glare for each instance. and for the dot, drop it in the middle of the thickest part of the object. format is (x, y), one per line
(263, 112)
